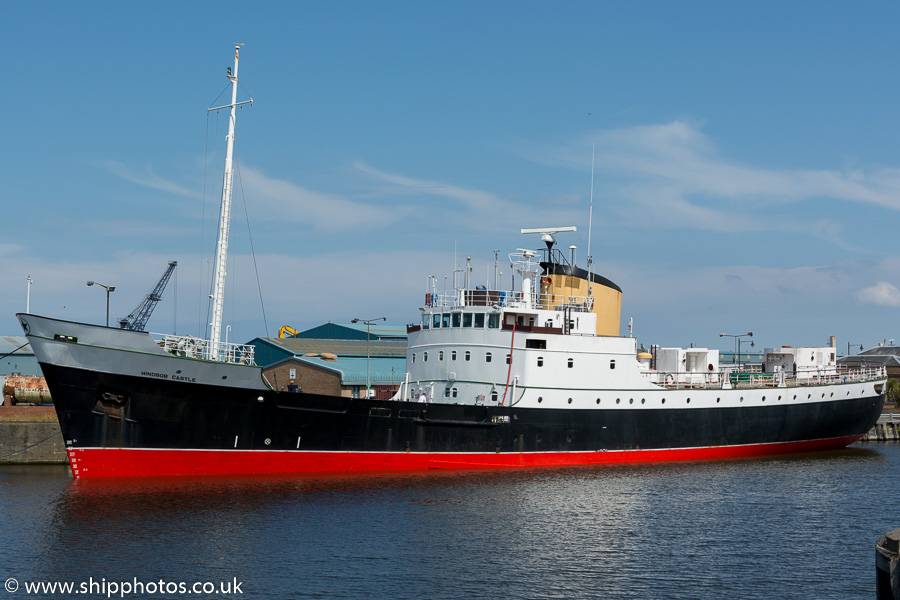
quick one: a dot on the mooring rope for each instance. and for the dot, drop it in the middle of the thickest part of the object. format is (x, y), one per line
(31, 446)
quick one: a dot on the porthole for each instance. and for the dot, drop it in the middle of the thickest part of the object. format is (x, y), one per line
(688, 400)
(453, 355)
(808, 396)
(494, 396)
(618, 400)
(571, 362)
(569, 439)
(742, 399)
(643, 400)
(487, 357)
(832, 395)
(538, 437)
(570, 401)
(508, 358)
(453, 394)
(540, 361)
(764, 399)
(779, 398)
(663, 400)
(717, 400)
(224, 376)
(598, 400)
(848, 392)
(441, 355)
(631, 401)
(823, 394)
(424, 357)
(795, 396)
(612, 364)
(540, 399)
(468, 355)
(414, 358)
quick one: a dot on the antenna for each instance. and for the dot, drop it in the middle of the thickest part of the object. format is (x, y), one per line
(590, 259)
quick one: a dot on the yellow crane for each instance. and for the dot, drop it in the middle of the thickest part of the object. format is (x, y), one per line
(285, 331)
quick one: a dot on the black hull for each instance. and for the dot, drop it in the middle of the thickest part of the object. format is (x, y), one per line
(103, 411)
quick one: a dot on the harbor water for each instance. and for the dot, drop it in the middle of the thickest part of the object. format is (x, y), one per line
(799, 526)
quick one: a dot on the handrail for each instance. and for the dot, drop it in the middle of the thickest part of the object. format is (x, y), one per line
(755, 379)
(188, 346)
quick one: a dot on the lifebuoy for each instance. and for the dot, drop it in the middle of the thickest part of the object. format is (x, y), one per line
(670, 379)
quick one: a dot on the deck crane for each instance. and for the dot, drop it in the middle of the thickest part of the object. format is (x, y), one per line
(137, 320)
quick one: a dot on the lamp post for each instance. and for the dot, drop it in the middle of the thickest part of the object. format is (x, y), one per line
(108, 288)
(848, 348)
(28, 296)
(740, 341)
(368, 323)
(737, 339)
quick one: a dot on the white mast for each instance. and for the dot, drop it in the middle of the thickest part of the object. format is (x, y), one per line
(218, 297)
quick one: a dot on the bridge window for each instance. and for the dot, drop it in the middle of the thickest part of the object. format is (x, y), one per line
(494, 321)
(479, 319)
(435, 321)
(467, 319)
(456, 319)
(445, 320)
(536, 344)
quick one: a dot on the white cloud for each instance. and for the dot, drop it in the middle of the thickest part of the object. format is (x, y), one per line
(283, 199)
(674, 174)
(880, 294)
(147, 178)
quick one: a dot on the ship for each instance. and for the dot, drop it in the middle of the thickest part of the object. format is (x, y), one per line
(538, 376)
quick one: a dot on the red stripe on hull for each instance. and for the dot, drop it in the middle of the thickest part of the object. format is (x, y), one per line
(126, 462)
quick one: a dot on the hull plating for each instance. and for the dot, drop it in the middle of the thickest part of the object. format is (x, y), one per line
(118, 425)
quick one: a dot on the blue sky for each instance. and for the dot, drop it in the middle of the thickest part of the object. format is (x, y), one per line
(747, 172)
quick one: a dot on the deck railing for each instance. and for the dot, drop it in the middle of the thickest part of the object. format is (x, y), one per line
(754, 379)
(189, 346)
(507, 299)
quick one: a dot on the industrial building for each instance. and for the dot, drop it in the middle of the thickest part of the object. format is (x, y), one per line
(342, 359)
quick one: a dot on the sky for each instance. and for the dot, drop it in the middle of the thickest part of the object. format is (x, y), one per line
(746, 165)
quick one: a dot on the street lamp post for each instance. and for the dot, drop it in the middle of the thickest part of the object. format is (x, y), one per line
(737, 339)
(28, 296)
(108, 288)
(368, 323)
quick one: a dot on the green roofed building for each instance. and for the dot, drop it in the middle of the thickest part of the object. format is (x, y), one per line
(336, 359)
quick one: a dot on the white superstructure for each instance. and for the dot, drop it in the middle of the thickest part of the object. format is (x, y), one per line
(538, 347)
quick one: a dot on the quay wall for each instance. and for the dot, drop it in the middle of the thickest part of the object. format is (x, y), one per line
(30, 435)
(887, 429)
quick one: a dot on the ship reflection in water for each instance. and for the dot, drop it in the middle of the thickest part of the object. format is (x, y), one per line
(791, 526)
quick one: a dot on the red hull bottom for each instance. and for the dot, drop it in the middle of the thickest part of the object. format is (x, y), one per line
(127, 462)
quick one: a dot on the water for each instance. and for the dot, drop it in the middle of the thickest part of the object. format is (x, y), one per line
(787, 527)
